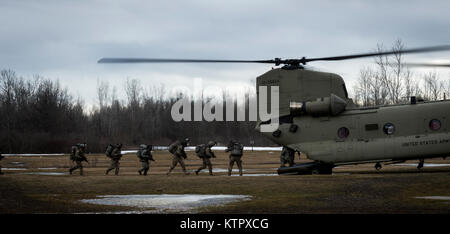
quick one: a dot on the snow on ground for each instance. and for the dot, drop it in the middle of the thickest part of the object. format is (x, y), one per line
(189, 148)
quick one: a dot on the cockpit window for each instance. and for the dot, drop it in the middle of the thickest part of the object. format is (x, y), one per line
(345, 91)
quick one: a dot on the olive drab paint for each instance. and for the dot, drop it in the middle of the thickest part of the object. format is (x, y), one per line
(332, 130)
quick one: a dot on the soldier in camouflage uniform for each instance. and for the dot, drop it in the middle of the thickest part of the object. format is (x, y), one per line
(1, 157)
(116, 155)
(206, 156)
(178, 155)
(236, 152)
(78, 156)
(287, 156)
(145, 154)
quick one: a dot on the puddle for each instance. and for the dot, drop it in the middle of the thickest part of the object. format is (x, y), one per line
(13, 169)
(44, 173)
(166, 203)
(31, 155)
(442, 198)
(218, 170)
(424, 165)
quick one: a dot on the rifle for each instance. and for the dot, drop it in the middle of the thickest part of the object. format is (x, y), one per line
(84, 159)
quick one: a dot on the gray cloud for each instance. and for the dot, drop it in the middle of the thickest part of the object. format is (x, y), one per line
(64, 39)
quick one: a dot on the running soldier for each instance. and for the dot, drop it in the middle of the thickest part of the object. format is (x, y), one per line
(145, 154)
(205, 153)
(78, 156)
(236, 151)
(116, 155)
(287, 156)
(177, 149)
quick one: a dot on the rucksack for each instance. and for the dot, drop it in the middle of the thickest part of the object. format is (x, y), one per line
(109, 150)
(237, 149)
(200, 150)
(173, 147)
(73, 153)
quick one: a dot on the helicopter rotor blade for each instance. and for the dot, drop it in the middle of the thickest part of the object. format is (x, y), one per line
(276, 61)
(354, 56)
(426, 65)
(159, 60)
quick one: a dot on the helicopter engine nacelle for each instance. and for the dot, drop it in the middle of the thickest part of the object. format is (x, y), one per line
(332, 105)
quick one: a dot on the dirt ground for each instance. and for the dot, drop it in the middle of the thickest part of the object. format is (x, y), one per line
(351, 189)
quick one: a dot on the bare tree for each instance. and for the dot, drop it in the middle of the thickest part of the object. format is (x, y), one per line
(102, 93)
(433, 87)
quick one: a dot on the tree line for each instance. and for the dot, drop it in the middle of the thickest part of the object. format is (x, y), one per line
(38, 116)
(390, 81)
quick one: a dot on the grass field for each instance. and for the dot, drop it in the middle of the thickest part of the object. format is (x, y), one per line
(351, 189)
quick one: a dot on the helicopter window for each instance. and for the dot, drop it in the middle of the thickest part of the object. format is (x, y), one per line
(435, 124)
(286, 119)
(266, 122)
(389, 129)
(343, 132)
(345, 90)
(371, 127)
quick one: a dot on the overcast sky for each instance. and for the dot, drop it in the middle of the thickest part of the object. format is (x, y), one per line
(64, 39)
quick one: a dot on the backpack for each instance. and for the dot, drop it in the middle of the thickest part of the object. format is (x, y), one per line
(73, 153)
(237, 149)
(173, 147)
(109, 150)
(200, 150)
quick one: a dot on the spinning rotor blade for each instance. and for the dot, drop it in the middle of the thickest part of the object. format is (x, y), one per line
(276, 61)
(157, 60)
(426, 65)
(354, 56)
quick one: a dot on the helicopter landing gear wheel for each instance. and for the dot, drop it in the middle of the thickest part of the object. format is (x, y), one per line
(378, 166)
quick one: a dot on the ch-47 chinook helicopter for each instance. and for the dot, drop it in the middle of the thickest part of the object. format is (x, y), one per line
(317, 117)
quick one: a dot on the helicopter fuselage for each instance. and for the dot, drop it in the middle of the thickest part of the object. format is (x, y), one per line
(389, 133)
(353, 135)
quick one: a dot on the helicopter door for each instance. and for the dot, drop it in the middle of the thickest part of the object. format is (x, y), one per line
(353, 147)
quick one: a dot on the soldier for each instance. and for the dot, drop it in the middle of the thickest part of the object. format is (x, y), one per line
(116, 155)
(177, 149)
(1, 157)
(78, 156)
(145, 154)
(287, 156)
(236, 151)
(205, 153)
